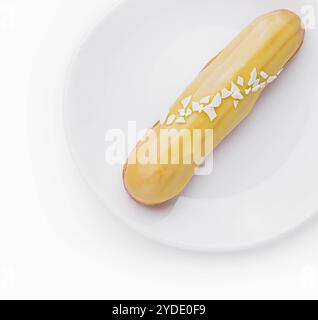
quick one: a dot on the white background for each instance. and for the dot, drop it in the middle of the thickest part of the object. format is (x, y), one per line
(56, 239)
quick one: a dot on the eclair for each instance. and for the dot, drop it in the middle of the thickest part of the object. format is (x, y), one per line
(211, 107)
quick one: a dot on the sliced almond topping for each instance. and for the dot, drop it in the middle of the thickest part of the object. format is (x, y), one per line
(226, 93)
(217, 100)
(237, 95)
(264, 75)
(196, 107)
(234, 88)
(185, 102)
(180, 120)
(205, 100)
(256, 83)
(253, 77)
(188, 113)
(171, 119)
(210, 112)
(271, 79)
(240, 81)
(255, 89)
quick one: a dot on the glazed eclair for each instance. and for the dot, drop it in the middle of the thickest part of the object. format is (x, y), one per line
(220, 97)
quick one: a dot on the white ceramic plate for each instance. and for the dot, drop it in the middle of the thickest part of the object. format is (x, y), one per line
(134, 64)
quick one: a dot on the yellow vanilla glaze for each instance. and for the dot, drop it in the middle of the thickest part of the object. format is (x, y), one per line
(267, 44)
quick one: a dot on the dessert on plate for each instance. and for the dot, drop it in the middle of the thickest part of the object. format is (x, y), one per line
(212, 106)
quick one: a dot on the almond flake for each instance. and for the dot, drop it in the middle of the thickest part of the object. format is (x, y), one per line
(188, 113)
(256, 83)
(237, 95)
(226, 93)
(180, 120)
(196, 107)
(248, 91)
(182, 112)
(264, 75)
(236, 103)
(240, 81)
(255, 89)
(263, 85)
(171, 119)
(271, 79)
(253, 77)
(185, 102)
(205, 100)
(217, 100)
(235, 88)
(210, 112)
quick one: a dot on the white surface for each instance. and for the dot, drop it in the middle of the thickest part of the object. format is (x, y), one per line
(56, 239)
(264, 182)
